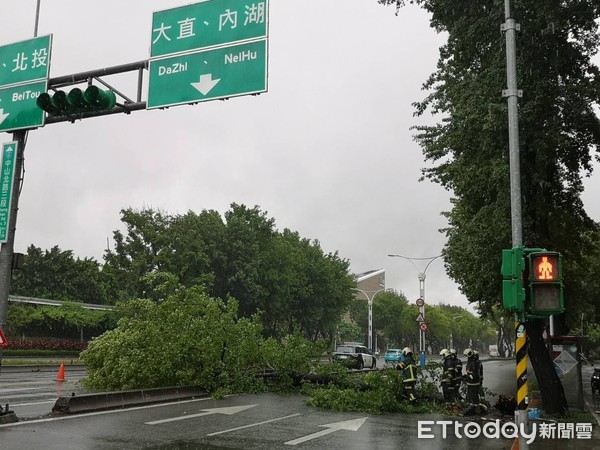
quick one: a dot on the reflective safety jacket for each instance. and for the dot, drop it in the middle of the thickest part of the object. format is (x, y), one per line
(457, 369)
(408, 368)
(448, 371)
(472, 372)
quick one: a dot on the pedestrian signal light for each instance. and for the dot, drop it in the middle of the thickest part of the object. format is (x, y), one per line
(77, 101)
(545, 283)
(544, 267)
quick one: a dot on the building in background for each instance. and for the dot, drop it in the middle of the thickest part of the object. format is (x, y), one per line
(370, 282)
(368, 285)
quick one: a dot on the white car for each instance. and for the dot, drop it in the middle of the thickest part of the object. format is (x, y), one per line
(355, 356)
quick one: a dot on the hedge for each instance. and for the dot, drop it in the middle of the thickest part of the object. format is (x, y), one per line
(53, 344)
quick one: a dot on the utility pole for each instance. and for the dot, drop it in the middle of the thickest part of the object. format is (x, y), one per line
(510, 27)
(7, 248)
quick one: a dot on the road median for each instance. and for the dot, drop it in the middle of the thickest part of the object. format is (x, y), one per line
(76, 404)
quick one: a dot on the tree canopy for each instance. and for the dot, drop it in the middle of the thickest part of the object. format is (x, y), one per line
(449, 326)
(289, 279)
(56, 274)
(559, 134)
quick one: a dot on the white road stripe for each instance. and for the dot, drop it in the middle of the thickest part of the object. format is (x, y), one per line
(254, 424)
(310, 437)
(99, 413)
(228, 411)
(19, 397)
(33, 403)
(4, 391)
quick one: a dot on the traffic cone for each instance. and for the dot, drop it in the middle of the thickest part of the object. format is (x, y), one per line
(61, 372)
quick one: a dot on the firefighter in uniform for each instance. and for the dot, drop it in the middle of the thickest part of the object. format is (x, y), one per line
(457, 376)
(472, 376)
(409, 374)
(447, 375)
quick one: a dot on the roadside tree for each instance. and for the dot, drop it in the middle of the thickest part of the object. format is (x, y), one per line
(559, 132)
(56, 274)
(288, 279)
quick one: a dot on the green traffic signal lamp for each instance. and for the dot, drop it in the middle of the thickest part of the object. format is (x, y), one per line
(99, 99)
(48, 103)
(77, 101)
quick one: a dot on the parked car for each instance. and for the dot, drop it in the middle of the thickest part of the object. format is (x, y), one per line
(355, 356)
(393, 356)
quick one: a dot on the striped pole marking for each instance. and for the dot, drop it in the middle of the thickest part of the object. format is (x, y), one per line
(521, 348)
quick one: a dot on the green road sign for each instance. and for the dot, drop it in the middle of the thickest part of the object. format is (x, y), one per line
(207, 75)
(207, 24)
(9, 156)
(18, 108)
(25, 61)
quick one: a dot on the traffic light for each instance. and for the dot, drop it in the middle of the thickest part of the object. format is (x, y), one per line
(545, 283)
(77, 101)
(513, 267)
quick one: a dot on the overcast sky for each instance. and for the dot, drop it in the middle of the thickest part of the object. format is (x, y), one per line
(327, 151)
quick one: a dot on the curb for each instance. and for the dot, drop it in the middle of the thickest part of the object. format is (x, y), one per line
(121, 399)
(40, 368)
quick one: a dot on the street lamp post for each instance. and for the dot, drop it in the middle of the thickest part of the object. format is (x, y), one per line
(370, 303)
(451, 332)
(422, 276)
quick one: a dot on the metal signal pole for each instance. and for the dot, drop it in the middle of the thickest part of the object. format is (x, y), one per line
(7, 248)
(510, 27)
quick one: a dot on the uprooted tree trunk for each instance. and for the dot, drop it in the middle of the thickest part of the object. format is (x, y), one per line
(553, 394)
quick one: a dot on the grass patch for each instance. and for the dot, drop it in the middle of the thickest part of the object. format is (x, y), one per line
(41, 362)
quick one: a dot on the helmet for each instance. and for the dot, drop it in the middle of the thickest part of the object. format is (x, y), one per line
(468, 352)
(452, 351)
(444, 353)
(475, 353)
(406, 351)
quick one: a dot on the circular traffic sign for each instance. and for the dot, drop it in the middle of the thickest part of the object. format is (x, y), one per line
(423, 326)
(420, 302)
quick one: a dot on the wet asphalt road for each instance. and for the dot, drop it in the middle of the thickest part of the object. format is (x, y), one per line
(253, 422)
(265, 421)
(32, 391)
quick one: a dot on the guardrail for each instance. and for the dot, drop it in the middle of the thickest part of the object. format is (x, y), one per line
(49, 302)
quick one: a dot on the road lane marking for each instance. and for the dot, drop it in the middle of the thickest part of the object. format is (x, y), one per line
(207, 412)
(4, 391)
(34, 403)
(24, 383)
(352, 425)
(100, 413)
(254, 424)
